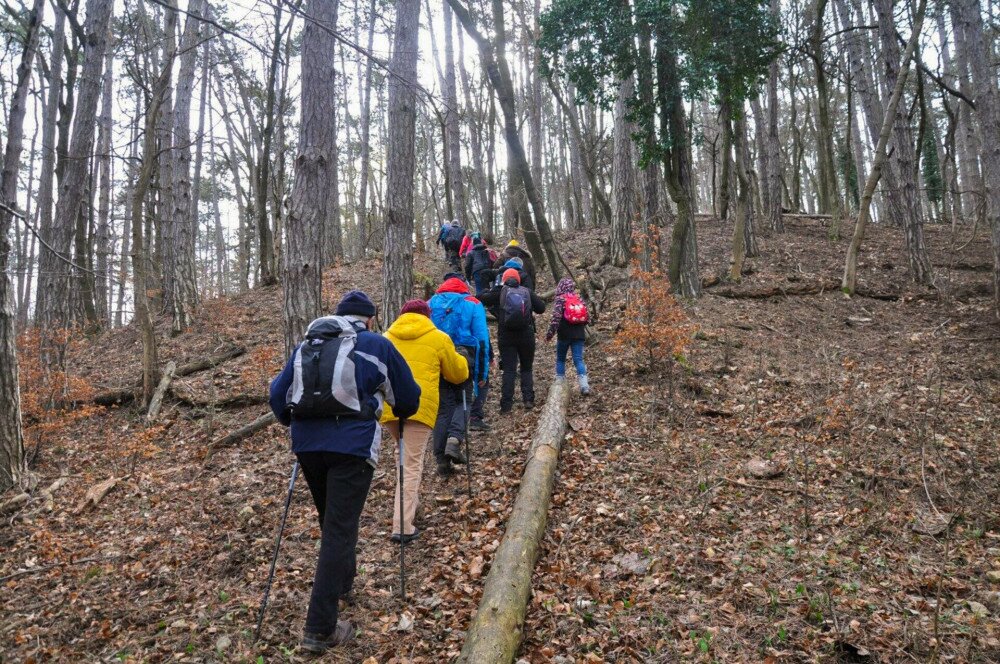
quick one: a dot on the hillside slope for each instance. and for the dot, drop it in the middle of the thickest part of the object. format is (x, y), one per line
(875, 414)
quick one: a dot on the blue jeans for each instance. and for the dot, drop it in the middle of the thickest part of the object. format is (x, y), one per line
(577, 347)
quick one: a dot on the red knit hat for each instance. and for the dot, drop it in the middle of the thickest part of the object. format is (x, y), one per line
(511, 274)
(416, 307)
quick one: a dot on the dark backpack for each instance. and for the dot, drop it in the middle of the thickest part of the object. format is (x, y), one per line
(455, 236)
(318, 389)
(481, 260)
(515, 307)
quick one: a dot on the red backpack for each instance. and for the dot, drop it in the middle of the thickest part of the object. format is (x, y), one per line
(574, 310)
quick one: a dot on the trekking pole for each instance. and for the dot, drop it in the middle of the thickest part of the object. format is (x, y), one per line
(468, 458)
(402, 525)
(277, 546)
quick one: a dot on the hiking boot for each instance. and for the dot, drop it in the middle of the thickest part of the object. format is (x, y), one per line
(444, 468)
(529, 404)
(477, 424)
(584, 385)
(318, 644)
(453, 450)
(406, 538)
(348, 598)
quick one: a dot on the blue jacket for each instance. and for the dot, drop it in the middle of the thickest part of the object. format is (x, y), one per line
(463, 318)
(381, 375)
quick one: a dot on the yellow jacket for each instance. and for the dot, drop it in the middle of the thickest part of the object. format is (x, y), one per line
(430, 354)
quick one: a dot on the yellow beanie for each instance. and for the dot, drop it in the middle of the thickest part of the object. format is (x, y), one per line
(513, 243)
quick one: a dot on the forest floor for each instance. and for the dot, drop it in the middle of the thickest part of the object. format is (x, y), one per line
(778, 504)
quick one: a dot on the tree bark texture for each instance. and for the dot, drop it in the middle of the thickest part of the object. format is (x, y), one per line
(103, 239)
(623, 194)
(46, 259)
(184, 224)
(497, 628)
(314, 166)
(775, 220)
(11, 442)
(72, 191)
(397, 271)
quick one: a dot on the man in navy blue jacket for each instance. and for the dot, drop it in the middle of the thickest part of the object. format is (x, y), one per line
(338, 454)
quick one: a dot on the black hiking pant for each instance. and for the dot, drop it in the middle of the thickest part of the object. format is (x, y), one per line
(339, 486)
(451, 416)
(517, 357)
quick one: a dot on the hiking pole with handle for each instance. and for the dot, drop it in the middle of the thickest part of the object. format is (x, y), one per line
(402, 524)
(277, 547)
(468, 457)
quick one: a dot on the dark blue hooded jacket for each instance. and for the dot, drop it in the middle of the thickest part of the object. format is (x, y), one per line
(381, 375)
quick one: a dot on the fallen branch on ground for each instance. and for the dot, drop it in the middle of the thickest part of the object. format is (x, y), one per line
(161, 391)
(496, 630)
(814, 288)
(127, 394)
(186, 394)
(259, 424)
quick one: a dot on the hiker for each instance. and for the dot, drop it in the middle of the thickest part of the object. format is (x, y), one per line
(431, 356)
(450, 237)
(569, 327)
(462, 317)
(514, 264)
(515, 306)
(478, 266)
(467, 242)
(515, 250)
(336, 437)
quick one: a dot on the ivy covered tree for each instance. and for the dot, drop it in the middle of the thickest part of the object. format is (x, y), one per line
(687, 49)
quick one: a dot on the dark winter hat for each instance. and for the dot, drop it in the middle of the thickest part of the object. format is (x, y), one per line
(356, 303)
(416, 307)
(511, 275)
(454, 275)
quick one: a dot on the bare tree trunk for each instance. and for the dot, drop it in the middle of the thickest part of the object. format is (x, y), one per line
(265, 237)
(314, 170)
(829, 194)
(58, 286)
(132, 170)
(623, 194)
(12, 468)
(850, 280)
(184, 224)
(987, 98)
(199, 152)
(46, 260)
(397, 272)
(453, 128)
(162, 245)
(775, 221)
(682, 265)
(104, 197)
(365, 94)
(904, 162)
(969, 145)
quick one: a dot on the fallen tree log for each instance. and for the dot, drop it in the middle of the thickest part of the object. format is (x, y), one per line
(124, 395)
(261, 423)
(161, 391)
(185, 394)
(814, 288)
(496, 630)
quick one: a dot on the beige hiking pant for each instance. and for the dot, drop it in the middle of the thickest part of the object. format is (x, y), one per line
(415, 437)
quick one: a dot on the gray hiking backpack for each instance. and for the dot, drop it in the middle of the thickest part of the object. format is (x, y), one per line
(323, 384)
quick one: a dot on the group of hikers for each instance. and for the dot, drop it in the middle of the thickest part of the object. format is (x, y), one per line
(426, 379)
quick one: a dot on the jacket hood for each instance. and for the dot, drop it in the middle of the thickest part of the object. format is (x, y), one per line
(454, 285)
(411, 326)
(333, 326)
(565, 286)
